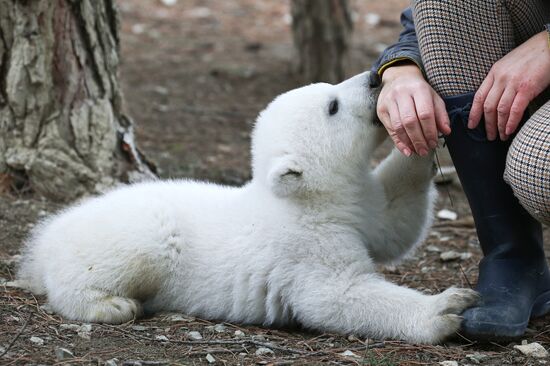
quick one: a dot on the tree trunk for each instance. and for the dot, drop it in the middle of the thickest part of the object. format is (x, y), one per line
(63, 130)
(322, 32)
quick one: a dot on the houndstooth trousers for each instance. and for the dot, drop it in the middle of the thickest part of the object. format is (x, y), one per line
(459, 41)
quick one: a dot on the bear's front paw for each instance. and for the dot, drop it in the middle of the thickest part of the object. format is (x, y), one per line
(443, 318)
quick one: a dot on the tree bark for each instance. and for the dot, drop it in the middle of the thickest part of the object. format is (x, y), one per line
(321, 30)
(63, 129)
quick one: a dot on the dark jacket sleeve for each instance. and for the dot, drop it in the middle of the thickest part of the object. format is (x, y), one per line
(406, 48)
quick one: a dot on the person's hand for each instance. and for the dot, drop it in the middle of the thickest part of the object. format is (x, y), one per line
(513, 82)
(411, 110)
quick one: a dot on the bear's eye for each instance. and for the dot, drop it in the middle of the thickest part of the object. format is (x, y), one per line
(333, 107)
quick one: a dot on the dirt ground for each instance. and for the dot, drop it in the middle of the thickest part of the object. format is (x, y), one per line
(196, 74)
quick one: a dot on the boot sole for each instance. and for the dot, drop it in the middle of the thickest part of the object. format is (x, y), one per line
(486, 331)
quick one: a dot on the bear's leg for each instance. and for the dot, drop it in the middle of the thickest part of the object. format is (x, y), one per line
(369, 306)
(410, 196)
(97, 306)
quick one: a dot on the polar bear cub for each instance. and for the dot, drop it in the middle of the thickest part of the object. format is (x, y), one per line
(298, 244)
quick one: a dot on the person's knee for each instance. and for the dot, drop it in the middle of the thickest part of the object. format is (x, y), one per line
(526, 177)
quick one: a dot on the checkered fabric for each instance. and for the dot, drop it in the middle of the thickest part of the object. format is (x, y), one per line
(528, 165)
(461, 39)
(459, 42)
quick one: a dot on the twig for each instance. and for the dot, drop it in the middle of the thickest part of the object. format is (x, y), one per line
(465, 276)
(216, 342)
(443, 176)
(462, 223)
(17, 335)
(466, 339)
(216, 351)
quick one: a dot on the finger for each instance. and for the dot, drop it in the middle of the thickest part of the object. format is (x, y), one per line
(441, 116)
(424, 106)
(385, 118)
(490, 111)
(401, 138)
(409, 119)
(479, 100)
(503, 110)
(521, 101)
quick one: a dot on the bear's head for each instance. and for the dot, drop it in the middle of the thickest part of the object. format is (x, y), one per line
(315, 138)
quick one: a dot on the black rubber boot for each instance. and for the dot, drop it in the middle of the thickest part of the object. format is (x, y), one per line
(514, 280)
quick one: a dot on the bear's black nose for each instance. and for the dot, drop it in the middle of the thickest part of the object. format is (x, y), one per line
(374, 80)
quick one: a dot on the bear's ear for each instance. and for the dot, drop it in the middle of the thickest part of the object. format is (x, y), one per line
(286, 176)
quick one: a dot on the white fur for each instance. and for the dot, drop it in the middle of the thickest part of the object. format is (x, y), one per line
(297, 244)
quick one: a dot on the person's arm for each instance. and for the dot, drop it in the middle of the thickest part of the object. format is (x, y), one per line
(407, 106)
(404, 51)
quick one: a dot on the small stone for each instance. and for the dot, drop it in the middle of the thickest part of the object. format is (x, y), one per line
(200, 12)
(452, 255)
(85, 331)
(433, 248)
(178, 318)
(447, 215)
(139, 328)
(37, 340)
(287, 19)
(194, 335)
(160, 90)
(372, 19)
(63, 354)
(73, 327)
(534, 349)
(162, 107)
(263, 351)
(349, 353)
(448, 363)
(210, 358)
(161, 338)
(111, 362)
(437, 234)
(239, 334)
(220, 328)
(258, 338)
(427, 269)
(138, 28)
(477, 357)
